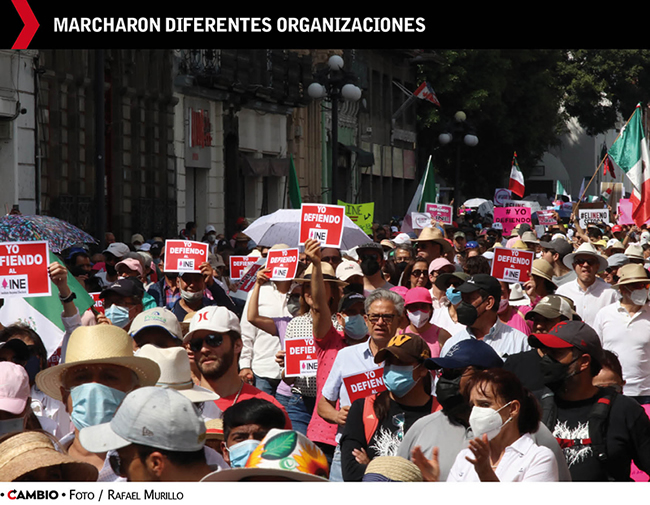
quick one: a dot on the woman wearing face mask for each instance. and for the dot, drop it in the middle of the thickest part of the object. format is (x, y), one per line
(418, 305)
(376, 424)
(503, 416)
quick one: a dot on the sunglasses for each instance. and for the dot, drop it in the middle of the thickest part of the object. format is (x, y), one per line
(419, 273)
(582, 261)
(387, 318)
(332, 260)
(211, 340)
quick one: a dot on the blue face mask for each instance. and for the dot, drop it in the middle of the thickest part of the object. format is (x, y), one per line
(398, 379)
(355, 327)
(453, 296)
(94, 404)
(117, 315)
(239, 453)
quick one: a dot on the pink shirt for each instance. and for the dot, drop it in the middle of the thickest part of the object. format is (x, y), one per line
(517, 319)
(430, 336)
(319, 430)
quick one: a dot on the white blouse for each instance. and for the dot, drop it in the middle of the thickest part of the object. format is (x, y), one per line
(523, 460)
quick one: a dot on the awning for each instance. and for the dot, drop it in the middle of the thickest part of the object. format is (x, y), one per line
(364, 158)
(264, 167)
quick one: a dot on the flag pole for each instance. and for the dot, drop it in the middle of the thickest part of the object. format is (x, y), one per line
(575, 206)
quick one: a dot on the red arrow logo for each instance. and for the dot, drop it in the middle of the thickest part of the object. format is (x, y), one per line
(31, 25)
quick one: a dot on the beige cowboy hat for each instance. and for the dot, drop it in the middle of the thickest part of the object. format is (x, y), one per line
(329, 274)
(634, 251)
(25, 452)
(392, 469)
(433, 235)
(631, 273)
(585, 249)
(99, 344)
(543, 269)
(175, 372)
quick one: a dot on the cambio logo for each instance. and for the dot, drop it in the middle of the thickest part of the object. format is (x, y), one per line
(15, 494)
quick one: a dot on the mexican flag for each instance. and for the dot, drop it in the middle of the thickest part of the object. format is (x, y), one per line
(43, 313)
(516, 184)
(630, 152)
(425, 192)
(560, 191)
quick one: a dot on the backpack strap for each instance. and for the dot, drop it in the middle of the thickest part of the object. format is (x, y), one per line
(549, 408)
(370, 421)
(598, 423)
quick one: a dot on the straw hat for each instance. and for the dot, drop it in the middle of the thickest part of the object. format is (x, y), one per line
(392, 469)
(634, 251)
(282, 453)
(543, 269)
(32, 450)
(99, 344)
(214, 429)
(585, 249)
(175, 372)
(429, 234)
(631, 273)
(329, 274)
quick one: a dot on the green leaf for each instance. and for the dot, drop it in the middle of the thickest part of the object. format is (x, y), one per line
(280, 446)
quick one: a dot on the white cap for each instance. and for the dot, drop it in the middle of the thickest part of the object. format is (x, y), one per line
(209, 229)
(347, 269)
(175, 372)
(151, 416)
(159, 317)
(402, 238)
(213, 318)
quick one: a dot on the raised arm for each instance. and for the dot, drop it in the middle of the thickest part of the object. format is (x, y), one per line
(262, 322)
(322, 317)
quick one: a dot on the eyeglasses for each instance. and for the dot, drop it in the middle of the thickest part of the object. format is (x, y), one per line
(332, 260)
(419, 273)
(211, 340)
(588, 261)
(387, 318)
(369, 257)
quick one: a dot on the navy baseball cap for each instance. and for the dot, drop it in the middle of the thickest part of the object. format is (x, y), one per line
(468, 352)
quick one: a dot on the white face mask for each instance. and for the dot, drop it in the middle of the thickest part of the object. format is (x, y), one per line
(639, 296)
(484, 420)
(418, 318)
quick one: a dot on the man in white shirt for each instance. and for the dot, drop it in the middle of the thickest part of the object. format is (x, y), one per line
(478, 312)
(624, 328)
(589, 292)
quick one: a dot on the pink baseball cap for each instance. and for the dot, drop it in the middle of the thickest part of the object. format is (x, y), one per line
(439, 263)
(418, 295)
(131, 264)
(400, 290)
(14, 387)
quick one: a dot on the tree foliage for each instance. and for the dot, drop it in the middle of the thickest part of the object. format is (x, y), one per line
(511, 98)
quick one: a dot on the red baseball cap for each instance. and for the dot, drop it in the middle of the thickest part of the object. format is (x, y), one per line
(617, 228)
(566, 334)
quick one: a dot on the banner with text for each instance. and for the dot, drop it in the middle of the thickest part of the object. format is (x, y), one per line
(283, 263)
(300, 358)
(440, 212)
(322, 222)
(509, 217)
(593, 216)
(361, 214)
(239, 265)
(512, 265)
(23, 269)
(546, 217)
(364, 384)
(420, 220)
(184, 256)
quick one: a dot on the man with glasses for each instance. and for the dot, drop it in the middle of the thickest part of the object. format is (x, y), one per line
(624, 327)
(113, 254)
(589, 292)
(371, 259)
(614, 262)
(431, 244)
(383, 310)
(215, 342)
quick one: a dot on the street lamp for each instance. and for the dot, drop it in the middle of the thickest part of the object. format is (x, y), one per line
(335, 83)
(458, 132)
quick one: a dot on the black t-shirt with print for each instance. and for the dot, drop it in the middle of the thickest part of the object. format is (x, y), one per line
(385, 440)
(627, 439)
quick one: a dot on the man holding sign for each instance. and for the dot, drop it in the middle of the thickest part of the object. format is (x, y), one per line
(354, 373)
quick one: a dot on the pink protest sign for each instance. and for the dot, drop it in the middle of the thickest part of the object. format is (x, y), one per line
(509, 217)
(546, 217)
(440, 212)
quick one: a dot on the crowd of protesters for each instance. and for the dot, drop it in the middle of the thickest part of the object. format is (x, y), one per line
(474, 378)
